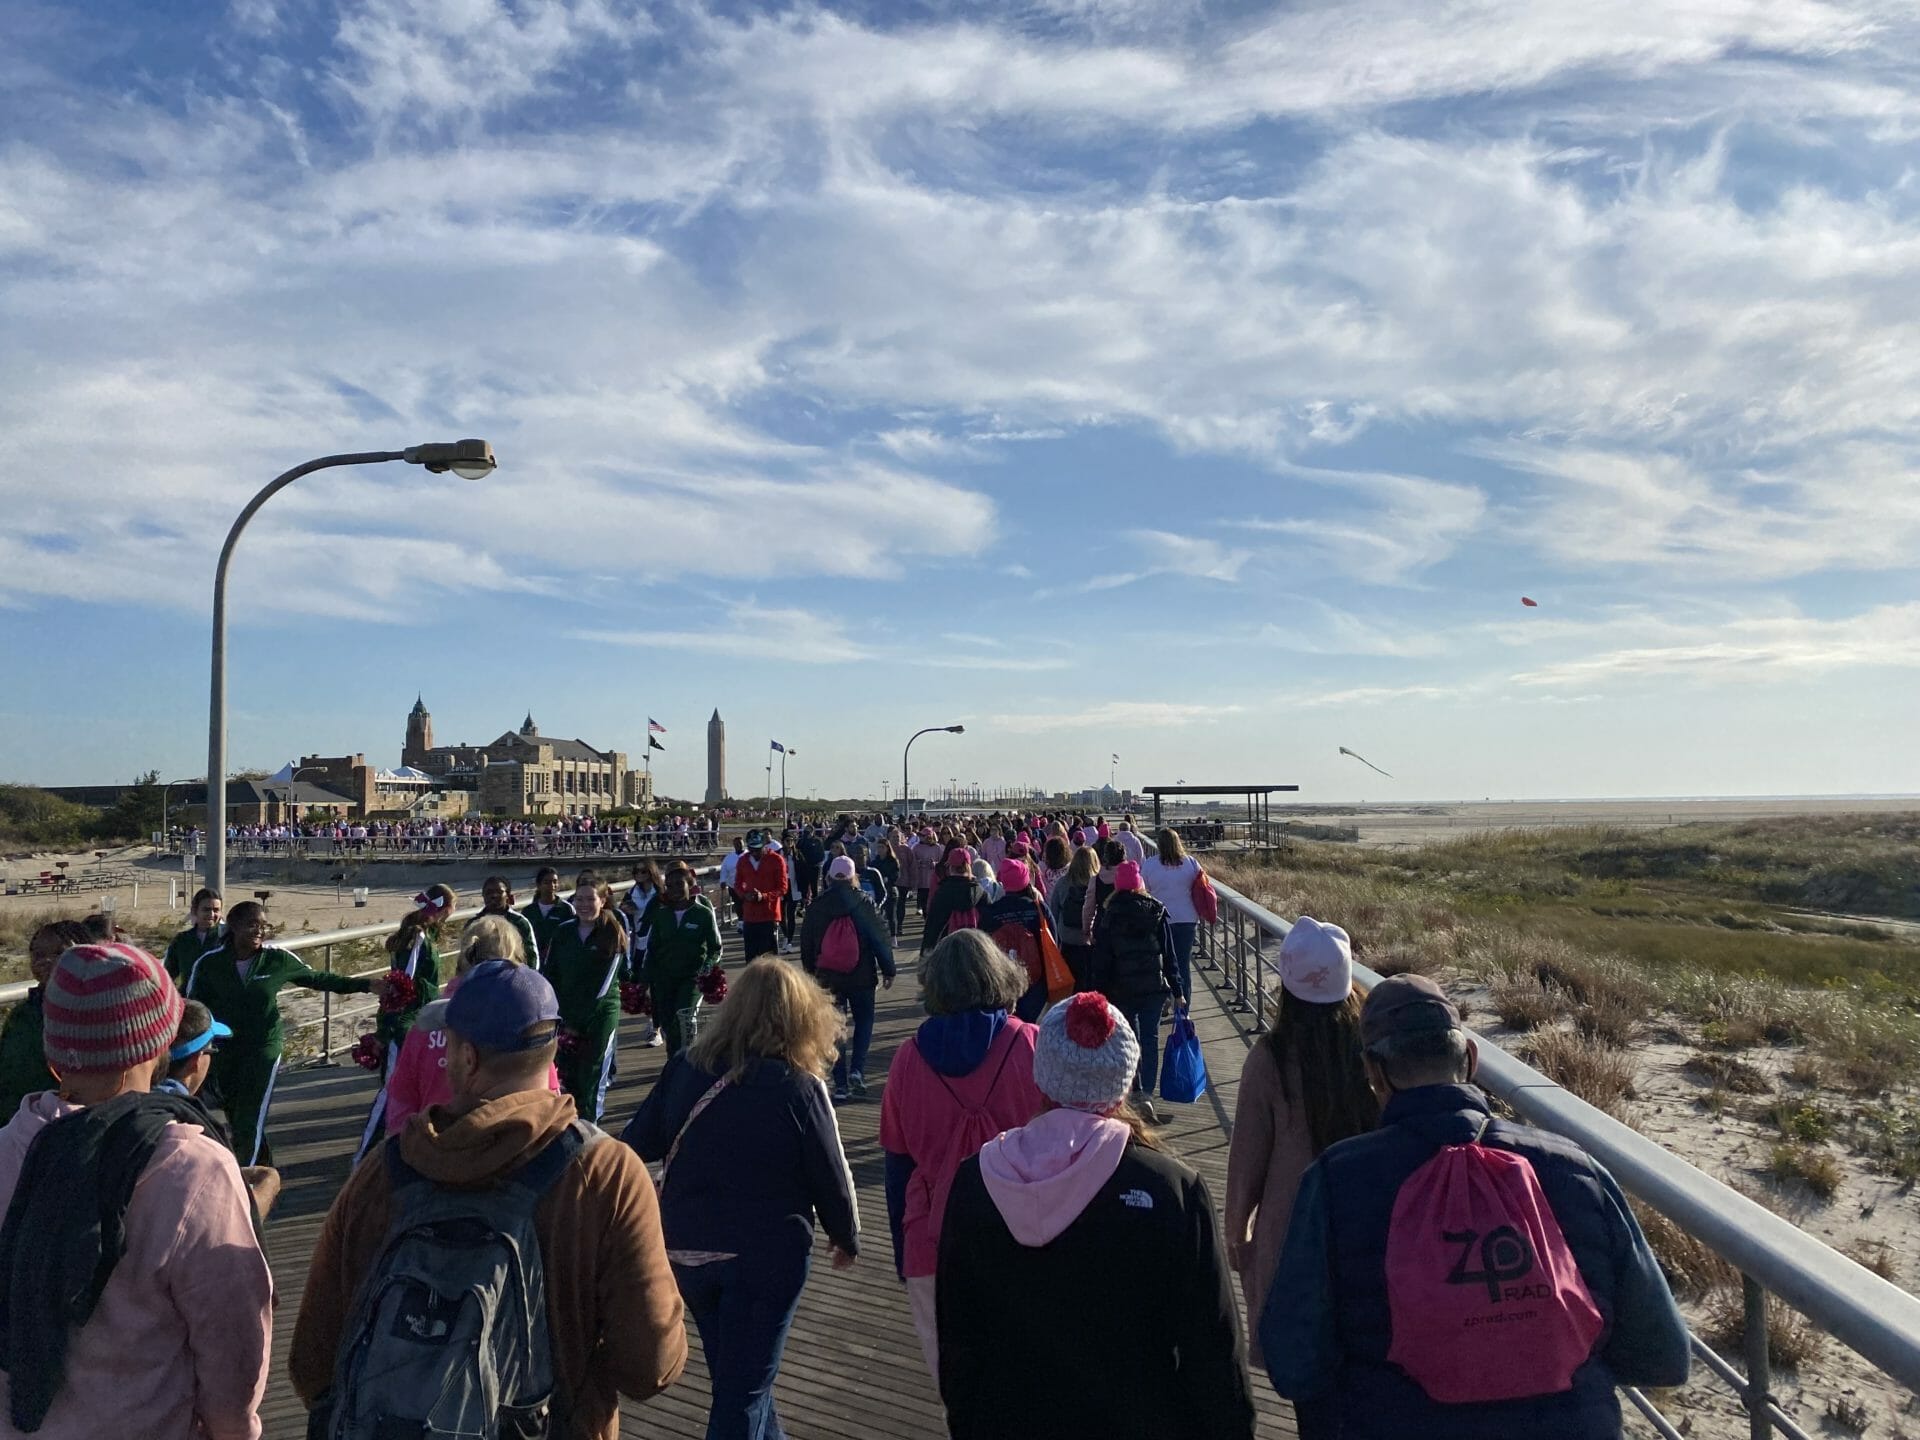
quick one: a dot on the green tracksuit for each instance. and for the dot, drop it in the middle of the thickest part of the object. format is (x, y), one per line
(587, 985)
(545, 927)
(23, 1061)
(422, 962)
(244, 1068)
(188, 946)
(677, 949)
(524, 926)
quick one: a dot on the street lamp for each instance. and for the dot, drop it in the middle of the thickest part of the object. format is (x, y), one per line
(931, 729)
(469, 459)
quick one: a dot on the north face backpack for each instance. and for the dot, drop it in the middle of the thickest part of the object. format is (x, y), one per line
(840, 947)
(448, 1335)
(1485, 1298)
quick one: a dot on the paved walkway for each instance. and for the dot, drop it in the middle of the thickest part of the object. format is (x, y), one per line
(852, 1367)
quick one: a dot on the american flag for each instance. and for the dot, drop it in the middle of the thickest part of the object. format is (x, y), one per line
(654, 727)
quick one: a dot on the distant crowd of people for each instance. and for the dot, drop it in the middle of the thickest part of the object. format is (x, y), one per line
(577, 835)
(498, 1265)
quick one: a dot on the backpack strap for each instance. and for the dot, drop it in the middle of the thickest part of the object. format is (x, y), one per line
(1006, 1054)
(536, 1177)
(699, 1108)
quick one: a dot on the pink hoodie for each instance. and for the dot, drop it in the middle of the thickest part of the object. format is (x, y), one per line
(1045, 1174)
(419, 1078)
(177, 1349)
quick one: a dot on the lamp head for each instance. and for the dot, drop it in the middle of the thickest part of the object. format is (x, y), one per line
(956, 729)
(469, 459)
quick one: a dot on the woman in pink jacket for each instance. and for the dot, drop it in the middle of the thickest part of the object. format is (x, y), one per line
(419, 1079)
(1303, 1087)
(965, 1076)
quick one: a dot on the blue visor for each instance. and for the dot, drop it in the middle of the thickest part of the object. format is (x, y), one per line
(187, 1049)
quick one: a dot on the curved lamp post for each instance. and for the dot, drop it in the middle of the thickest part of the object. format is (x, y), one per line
(930, 730)
(469, 459)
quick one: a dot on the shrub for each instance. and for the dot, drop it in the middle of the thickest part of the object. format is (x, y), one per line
(1816, 1169)
(1599, 1074)
(1693, 1271)
(1792, 1339)
(1737, 1032)
(1805, 1121)
(1608, 1019)
(1874, 1255)
(1724, 1072)
(1806, 1071)
(1525, 1004)
(1848, 1415)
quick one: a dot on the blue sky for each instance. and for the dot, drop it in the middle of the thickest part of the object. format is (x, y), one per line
(1202, 383)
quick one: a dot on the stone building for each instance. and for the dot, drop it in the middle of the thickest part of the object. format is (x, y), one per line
(524, 773)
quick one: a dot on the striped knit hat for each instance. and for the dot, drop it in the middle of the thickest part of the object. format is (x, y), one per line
(107, 1008)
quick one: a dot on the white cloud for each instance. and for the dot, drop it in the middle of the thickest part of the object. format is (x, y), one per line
(1759, 648)
(1114, 715)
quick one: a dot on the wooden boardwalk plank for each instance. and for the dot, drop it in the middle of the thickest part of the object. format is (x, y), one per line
(852, 1366)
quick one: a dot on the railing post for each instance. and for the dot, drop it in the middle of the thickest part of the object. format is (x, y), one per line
(1259, 978)
(326, 1013)
(1759, 1363)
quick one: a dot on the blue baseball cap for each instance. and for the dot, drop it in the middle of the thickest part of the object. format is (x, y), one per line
(187, 1049)
(498, 1002)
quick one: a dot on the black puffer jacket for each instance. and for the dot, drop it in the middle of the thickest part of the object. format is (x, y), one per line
(1133, 950)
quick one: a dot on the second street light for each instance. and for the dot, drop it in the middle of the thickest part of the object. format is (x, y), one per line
(469, 459)
(930, 730)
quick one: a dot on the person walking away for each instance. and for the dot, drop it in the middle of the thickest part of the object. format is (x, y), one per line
(893, 874)
(760, 883)
(1014, 921)
(546, 912)
(511, 1157)
(964, 1076)
(923, 866)
(1370, 1327)
(729, 868)
(198, 938)
(179, 1314)
(586, 961)
(682, 943)
(1112, 856)
(845, 946)
(23, 1056)
(1133, 967)
(1130, 841)
(240, 982)
(1170, 874)
(1068, 901)
(1077, 1225)
(1056, 858)
(496, 898)
(956, 903)
(1303, 1088)
(753, 1161)
(810, 854)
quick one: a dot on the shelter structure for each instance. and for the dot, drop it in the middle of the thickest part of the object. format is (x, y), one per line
(1259, 798)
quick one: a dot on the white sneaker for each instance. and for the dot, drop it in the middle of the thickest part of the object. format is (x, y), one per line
(656, 1040)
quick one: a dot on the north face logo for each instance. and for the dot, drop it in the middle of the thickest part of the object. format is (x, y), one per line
(1136, 1200)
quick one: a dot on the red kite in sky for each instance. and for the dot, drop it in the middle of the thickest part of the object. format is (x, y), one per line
(1530, 604)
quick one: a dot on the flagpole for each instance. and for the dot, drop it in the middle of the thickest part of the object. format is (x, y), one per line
(783, 788)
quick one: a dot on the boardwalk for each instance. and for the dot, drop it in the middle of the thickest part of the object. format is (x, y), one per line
(852, 1365)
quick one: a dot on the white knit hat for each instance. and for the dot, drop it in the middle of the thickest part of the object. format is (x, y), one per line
(1316, 962)
(1086, 1054)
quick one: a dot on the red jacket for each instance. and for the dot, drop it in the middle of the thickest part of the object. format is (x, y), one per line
(761, 886)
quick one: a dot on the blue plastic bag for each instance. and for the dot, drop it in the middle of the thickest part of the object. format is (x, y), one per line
(1183, 1069)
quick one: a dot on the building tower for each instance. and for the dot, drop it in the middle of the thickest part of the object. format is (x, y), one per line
(716, 760)
(419, 736)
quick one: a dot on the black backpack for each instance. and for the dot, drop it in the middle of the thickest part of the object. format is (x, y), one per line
(1133, 923)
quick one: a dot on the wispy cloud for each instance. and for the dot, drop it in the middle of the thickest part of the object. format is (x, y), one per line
(1114, 715)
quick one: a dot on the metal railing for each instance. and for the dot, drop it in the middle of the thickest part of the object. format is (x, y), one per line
(1877, 1320)
(599, 845)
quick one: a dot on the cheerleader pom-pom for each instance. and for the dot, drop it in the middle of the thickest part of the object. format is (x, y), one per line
(636, 998)
(567, 1041)
(398, 993)
(713, 986)
(368, 1052)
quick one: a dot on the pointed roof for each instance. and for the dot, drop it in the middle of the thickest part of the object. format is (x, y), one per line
(716, 717)
(419, 706)
(527, 727)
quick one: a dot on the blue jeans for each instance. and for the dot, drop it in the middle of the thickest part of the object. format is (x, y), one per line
(743, 1308)
(1145, 1020)
(1183, 956)
(858, 1004)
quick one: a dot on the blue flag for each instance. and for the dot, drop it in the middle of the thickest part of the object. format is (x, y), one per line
(778, 746)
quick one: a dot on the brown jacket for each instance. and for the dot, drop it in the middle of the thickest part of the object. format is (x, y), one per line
(613, 1309)
(1270, 1151)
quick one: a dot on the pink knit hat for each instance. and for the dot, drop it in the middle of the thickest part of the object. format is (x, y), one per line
(1126, 876)
(1013, 875)
(108, 1007)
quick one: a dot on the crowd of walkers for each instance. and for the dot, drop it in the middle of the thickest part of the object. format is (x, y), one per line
(363, 839)
(498, 1265)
